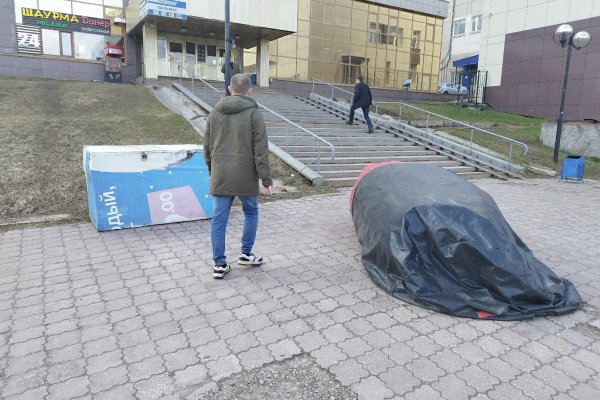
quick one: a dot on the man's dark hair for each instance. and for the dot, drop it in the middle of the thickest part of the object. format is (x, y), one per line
(360, 78)
(240, 84)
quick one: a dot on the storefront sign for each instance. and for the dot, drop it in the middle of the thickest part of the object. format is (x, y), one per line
(29, 39)
(65, 22)
(164, 8)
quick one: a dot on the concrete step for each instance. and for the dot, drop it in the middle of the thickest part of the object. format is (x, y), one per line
(360, 166)
(361, 152)
(355, 172)
(371, 147)
(350, 181)
(347, 160)
(308, 140)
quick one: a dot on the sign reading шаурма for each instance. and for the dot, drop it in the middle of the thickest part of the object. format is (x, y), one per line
(65, 22)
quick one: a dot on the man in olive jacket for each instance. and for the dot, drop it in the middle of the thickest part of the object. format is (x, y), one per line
(236, 151)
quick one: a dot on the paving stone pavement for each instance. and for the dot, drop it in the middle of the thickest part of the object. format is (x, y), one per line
(137, 314)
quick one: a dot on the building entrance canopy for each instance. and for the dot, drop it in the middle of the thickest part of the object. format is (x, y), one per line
(463, 62)
(245, 36)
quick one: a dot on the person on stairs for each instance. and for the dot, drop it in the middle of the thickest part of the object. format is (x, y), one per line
(363, 100)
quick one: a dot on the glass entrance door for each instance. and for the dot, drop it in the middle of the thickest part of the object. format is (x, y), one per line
(175, 58)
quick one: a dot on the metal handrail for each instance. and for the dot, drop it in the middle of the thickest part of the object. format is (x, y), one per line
(315, 80)
(319, 139)
(180, 69)
(460, 123)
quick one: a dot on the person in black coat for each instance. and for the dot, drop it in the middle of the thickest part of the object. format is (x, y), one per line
(362, 99)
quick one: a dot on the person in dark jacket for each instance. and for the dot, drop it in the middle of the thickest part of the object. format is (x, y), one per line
(235, 68)
(236, 151)
(362, 99)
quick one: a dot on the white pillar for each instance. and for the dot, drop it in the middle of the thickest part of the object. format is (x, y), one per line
(149, 38)
(262, 63)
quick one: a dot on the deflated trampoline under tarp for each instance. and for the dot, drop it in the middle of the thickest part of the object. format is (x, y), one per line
(435, 240)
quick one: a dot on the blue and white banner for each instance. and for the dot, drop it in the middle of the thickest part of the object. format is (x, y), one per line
(132, 186)
(164, 8)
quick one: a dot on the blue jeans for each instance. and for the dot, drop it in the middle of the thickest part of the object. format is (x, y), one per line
(365, 111)
(222, 205)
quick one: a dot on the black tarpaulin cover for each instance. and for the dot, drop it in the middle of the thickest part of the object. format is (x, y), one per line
(435, 240)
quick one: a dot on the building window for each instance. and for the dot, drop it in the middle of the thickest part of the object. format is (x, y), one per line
(51, 42)
(476, 23)
(416, 40)
(211, 54)
(201, 53)
(459, 27)
(383, 34)
(161, 49)
(190, 52)
(176, 51)
(88, 46)
(66, 44)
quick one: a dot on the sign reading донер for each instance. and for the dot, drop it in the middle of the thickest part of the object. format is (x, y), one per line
(65, 22)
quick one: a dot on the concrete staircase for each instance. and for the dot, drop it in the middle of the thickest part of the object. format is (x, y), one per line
(354, 147)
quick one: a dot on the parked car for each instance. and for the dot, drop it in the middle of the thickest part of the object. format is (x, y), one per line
(451, 88)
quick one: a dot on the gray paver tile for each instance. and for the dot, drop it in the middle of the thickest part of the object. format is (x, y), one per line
(255, 357)
(372, 388)
(224, 367)
(506, 391)
(192, 375)
(424, 393)
(74, 387)
(32, 394)
(329, 355)
(145, 369)
(453, 388)
(29, 380)
(157, 387)
(399, 379)
(212, 351)
(123, 392)
(533, 387)
(284, 349)
(106, 380)
(424, 369)
(400, 353)
(349, 372)
(478, 378)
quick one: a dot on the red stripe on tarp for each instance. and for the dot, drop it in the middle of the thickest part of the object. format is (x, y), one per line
(484, 314)
(365, 171)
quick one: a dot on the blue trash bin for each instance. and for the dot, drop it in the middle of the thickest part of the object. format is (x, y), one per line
(573, 168)
(253, 79)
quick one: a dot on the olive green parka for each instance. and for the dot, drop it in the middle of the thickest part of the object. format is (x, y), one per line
(236, 148)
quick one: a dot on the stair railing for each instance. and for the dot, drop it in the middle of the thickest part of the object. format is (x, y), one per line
(287, 124)
(378, 119)
(453, 123)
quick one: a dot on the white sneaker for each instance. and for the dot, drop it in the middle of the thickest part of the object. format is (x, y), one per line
(219, 271)
(250, 259)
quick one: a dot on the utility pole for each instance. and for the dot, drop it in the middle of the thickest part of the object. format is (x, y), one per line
(227, 49)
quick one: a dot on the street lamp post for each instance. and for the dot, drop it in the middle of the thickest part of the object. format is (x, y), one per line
(227, 49)
(564, 38)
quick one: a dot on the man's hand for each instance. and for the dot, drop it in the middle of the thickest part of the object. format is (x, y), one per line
(270, 190)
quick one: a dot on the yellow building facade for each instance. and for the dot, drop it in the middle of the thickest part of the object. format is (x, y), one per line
(337, 40)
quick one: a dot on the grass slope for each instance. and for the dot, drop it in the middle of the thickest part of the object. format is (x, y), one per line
(46, 123)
